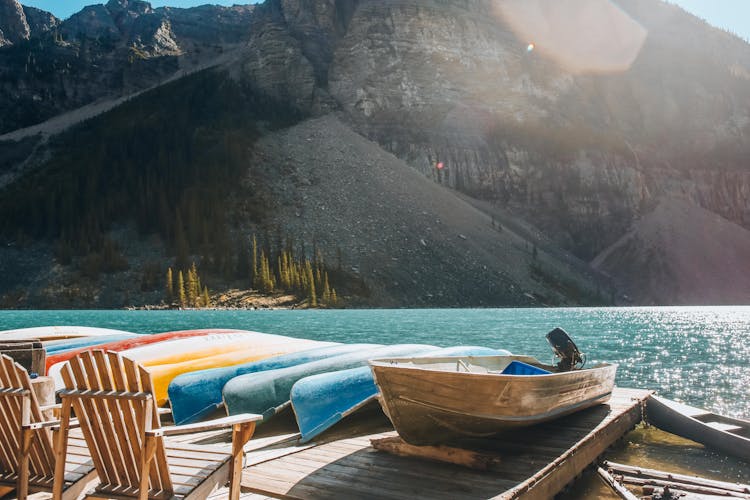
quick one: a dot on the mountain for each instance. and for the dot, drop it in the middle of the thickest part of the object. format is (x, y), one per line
(104, 51)
(455, 162)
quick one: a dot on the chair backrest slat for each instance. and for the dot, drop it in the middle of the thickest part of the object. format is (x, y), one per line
(116, 420)
(73, 373)
(15, 410)
(9, 424)
(121, 409)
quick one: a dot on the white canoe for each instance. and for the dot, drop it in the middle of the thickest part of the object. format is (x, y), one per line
(54, 333)
(186, 349)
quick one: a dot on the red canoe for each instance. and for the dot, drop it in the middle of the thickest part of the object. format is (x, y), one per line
(140, 340)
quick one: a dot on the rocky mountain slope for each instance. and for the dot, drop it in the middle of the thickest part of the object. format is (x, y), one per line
(50, 66)
(562, 148)
(681, 254)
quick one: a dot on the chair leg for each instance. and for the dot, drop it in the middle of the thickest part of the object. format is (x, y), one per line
(148, 452)
(60, 442)
(22, 484)
(241, 434)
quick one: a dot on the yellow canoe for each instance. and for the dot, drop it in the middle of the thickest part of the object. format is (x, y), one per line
(177, 351)
(162, 374)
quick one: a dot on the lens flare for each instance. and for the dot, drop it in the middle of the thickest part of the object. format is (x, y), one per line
(530, 47)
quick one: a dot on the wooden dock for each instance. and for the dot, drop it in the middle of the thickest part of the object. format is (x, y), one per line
(534, 463)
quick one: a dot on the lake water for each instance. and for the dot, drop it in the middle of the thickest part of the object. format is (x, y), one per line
(699, 355)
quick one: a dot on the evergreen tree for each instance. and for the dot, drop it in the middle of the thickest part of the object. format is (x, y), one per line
(311, 285)
(191, 290)
(206, 297)
(254, 269)
(326, 290)
(181, 289)
(170, 285)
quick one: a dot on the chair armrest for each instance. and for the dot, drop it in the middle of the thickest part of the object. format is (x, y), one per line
(41, 425)
(219, 423)
(163, 411)
(73, 423)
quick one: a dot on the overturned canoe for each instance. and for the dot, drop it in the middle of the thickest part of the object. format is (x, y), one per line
(727, 434)
(203, 346)
(196, 394)
(162, 375)
(133, 342)
(63, 346)
(434, 400)
(321, 401)
(268, 392)
(51, 333)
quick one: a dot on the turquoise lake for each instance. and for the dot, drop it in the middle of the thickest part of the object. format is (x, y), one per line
(699, 355)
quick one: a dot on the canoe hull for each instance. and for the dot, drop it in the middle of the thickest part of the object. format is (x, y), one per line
(700, 426)
(53, 333)
(194, 395)
(432, 406)
(269, 391)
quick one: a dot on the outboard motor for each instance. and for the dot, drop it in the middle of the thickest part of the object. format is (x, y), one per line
(566, 350)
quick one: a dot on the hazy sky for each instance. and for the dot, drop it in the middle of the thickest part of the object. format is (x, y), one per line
(733, 15)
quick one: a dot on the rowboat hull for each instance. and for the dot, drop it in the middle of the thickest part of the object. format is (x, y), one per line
(131, 343)
(52, 333)
(268, 392)
(321, 401)
(729, 435)
(430, 402)
(196, 394)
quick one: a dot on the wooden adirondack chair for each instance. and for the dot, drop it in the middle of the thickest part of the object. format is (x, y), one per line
(112, 398)
(27, 456)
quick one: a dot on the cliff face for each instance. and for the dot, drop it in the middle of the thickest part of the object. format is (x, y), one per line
(13, 24)
(579, 154)
(578, 142)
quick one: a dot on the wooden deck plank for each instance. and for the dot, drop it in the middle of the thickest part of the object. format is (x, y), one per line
(535, 463)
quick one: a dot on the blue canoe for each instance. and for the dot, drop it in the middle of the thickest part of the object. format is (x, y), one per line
(268, 392)
(195, 395)
(60, 346)
(321, 401)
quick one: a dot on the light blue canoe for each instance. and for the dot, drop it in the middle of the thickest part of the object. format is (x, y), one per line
(195, 395)
(267, 393)
(60, 346)
(321, 401)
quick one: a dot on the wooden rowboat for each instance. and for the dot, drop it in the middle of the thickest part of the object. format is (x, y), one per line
(729, 435)
(320, 401)
(435, 400)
